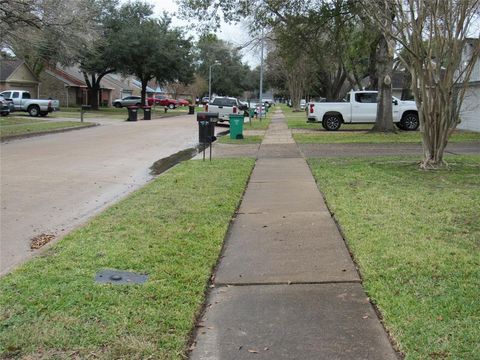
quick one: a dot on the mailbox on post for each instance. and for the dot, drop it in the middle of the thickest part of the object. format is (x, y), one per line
(83, 110)
(206, 130)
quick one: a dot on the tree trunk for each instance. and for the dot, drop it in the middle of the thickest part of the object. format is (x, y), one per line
(144, 92)
(93, 96)
(93, 86)
(384, 121)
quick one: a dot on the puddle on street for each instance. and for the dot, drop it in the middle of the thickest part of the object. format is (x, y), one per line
(164, 164)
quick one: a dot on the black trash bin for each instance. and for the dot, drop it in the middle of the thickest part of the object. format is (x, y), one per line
(147, 113)
(191, 109)
(132, 113)
(206, 127)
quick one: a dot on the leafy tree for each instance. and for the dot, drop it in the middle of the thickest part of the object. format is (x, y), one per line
(321, 30)
(148, 48)
(99, 58)
(230, 78)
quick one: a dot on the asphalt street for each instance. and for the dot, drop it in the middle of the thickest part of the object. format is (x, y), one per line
(53, 183)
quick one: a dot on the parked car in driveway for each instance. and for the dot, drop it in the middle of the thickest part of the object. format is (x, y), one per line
(183, 102)
(23, 101)
(361, 107)
(162, 100)
(225, 106)
(127, 101)
(4, 107)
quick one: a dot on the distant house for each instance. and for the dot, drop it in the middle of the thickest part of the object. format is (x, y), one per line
(69, 86)
(138, 85)
(470, 111)
(58, 84)
(16, 74)
(400, 84)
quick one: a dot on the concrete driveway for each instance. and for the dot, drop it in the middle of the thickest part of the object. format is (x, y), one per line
(53, 183)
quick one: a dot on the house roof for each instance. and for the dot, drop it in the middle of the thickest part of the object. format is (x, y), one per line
(139, 85)
(67, 78)
(117, 81)
(8, 67)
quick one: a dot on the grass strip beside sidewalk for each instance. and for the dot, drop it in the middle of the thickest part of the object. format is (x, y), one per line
(247, 140)
(415, 236)
(12, 127)
(329, 137)
(172, 229)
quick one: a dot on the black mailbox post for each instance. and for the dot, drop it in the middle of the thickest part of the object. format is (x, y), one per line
(206, 130)
(84, 109)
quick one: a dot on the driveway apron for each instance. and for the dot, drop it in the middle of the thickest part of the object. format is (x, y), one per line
(286, 287)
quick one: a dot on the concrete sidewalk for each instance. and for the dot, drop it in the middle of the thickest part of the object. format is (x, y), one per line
(286, 287)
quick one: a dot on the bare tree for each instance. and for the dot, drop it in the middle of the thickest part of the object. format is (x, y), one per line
(433, 35)
(48, 31)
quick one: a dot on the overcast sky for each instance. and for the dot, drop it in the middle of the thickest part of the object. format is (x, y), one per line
(235, 34)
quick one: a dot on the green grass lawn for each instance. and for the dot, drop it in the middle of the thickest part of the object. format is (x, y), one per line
(329, 137)
(13, 126)
(258, 124)
(247, 140)
(172, 230)
(416, 238)
(114, 113)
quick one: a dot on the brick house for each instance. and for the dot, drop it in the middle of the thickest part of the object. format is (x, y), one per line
(68, 85)
(16, 74)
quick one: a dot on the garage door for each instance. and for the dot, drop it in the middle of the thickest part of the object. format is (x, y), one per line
(470, 113)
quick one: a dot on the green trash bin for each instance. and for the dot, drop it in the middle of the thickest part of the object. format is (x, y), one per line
(236, 126)
(251, 113)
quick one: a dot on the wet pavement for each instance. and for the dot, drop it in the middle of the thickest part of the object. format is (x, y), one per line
(50, 184)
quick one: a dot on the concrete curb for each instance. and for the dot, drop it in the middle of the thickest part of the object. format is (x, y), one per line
(24, 136)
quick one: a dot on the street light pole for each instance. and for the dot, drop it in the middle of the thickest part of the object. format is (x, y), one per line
(210, 80)
(261, 77)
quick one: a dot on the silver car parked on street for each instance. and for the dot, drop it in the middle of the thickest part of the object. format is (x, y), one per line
(127, 101)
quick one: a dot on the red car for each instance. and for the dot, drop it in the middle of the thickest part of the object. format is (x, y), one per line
(162, 101)
(183, 102)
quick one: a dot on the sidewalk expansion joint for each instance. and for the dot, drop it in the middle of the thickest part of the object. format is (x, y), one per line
(282, 283)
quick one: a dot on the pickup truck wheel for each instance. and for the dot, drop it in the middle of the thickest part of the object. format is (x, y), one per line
(117, 105)
(171, 106)
(34, 110)
(410, 122)
(331, 122)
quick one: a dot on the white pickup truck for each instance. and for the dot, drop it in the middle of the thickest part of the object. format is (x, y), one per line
(225, 106)
(22, 101)
(360, 107)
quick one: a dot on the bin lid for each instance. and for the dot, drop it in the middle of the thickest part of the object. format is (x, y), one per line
(133, 107)
(210, 116)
